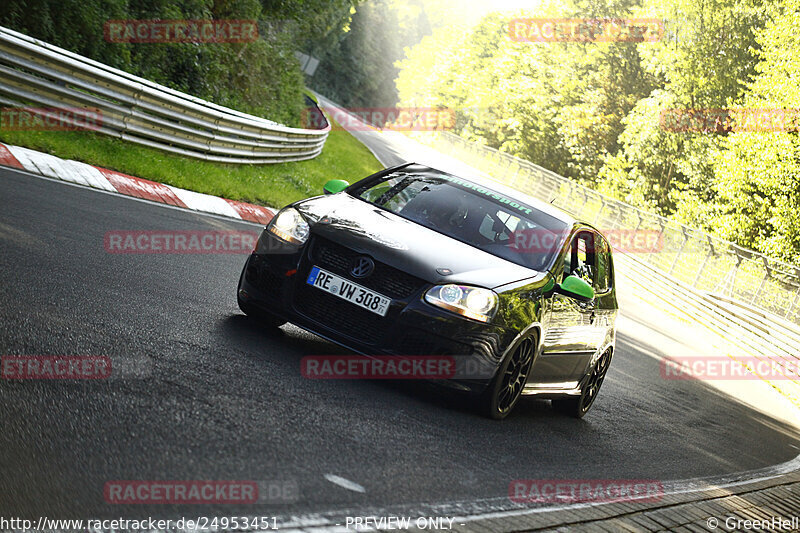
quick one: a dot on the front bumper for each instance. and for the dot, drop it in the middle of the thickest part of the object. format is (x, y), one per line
(275, 282)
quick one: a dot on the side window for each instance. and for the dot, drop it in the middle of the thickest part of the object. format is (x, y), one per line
(603, 253)
(581, 260)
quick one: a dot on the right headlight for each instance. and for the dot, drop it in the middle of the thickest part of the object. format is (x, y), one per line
(290, 226)
(472, 302)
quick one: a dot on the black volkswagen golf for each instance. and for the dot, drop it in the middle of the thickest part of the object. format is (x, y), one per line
(413, 261)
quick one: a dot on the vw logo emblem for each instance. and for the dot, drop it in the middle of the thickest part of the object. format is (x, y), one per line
(363, 267)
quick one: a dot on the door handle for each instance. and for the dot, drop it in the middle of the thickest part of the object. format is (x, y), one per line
(592, 317)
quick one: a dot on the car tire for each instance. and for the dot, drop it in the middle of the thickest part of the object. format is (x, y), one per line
(505, 389)
(580, 405)
(268, 319)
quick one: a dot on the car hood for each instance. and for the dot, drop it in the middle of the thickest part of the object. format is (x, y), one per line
(407, 245)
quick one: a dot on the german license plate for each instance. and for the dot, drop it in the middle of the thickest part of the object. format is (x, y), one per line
(347, 290)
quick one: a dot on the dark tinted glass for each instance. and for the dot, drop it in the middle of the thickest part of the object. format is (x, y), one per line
(603, 266)
(471, 213)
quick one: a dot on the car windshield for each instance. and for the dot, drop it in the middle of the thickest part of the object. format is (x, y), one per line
(473, 214)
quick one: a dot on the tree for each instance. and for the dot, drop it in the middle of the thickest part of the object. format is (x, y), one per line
(261, 77)
(358, 69)
(757, 178)
(560, 105)
(703, 63)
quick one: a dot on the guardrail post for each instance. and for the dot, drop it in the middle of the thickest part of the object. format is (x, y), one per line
(794, 302)
(705, 261)
(680, 250)
(638, 221)
(620, 221)
(733, 272)
(657, 240)
(767, 273)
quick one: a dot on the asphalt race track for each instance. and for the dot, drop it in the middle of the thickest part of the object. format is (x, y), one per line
(205, 393)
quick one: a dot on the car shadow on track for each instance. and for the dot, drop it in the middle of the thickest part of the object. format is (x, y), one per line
(288, 345)
(634, 387)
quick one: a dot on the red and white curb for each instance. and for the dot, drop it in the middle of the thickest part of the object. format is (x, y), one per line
(112, 181)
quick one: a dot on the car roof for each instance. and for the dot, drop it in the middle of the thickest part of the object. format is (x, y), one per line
(477, 179)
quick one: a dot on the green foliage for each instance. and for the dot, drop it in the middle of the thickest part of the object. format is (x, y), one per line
(559, 104)
(757, 176)
(706, 55)
(261, 77)
(593, 111)
(76, 25)
(358, 69)
(703, 63)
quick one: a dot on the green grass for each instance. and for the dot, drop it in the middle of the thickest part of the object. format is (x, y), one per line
(275, 185)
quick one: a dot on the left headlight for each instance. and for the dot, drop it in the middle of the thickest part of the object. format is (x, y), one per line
(472, 302)
(290, 226)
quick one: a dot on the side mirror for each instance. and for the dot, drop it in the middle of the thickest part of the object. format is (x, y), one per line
(574, 287)
(334, 186)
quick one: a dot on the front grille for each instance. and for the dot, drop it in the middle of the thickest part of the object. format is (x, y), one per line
(384, 279)
(262, 278)
(339, 315)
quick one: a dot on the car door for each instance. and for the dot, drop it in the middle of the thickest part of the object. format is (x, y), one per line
(570, 337)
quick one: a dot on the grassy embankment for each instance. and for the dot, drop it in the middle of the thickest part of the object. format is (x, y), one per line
(274, 185)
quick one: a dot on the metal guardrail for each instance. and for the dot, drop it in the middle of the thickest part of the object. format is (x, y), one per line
(692, 257)
(759, 336)
(137, 110)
